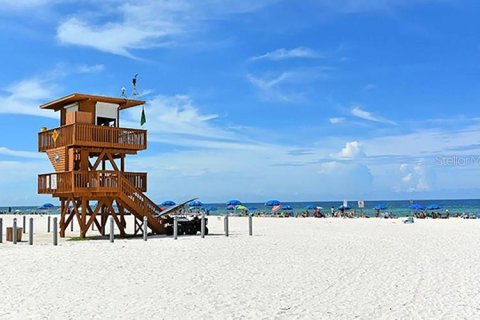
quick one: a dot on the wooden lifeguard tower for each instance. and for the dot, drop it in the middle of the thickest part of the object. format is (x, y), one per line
(88, 152)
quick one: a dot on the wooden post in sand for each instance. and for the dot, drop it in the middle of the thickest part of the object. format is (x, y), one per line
(175, 227)
(30, 232)
(202, 226)
(225, 225)
(55, 231)
(112, 230)
(24, 225)
(14, 235)
(1, 230)
(48, 224)
(145, 228)
(250, 225)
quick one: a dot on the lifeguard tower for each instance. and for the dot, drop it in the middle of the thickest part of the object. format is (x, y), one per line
(88, 152)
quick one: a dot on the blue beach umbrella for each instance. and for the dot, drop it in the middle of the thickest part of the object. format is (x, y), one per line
(380, 207)
(343, 208)
(287, 207)
(234, 203)
(252, 208)
(195, 203)
(416, 206)
(167, 203)
(310, 207)
(272, 203)
(47, 205)
(433, 207)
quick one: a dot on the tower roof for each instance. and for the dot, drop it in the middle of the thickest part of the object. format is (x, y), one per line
(123, 103)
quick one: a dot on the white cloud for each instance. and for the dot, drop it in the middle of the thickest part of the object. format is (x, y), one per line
(26, 96)
(352, 150)
(366, 115)
(122, 27)
(286, 86)
(282, 54)
(21, 154)
(415, 177)
(336, 120)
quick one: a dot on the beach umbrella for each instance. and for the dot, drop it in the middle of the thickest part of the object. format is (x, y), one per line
(272, 203)
(168, 203)
(287, 207)
(252, 208)
(47, 205)
(380, 207)
(416, 206)
(310, 207)
(343, 208)
(195, 203)
(234, 203)
(433, 207)
(241, 207)
(276, 208)
(230, 207)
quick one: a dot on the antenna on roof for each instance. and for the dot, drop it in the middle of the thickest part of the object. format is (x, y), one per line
(134, 85)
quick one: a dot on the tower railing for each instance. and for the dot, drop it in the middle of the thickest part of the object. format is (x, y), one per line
(89, 135)
(93, 181)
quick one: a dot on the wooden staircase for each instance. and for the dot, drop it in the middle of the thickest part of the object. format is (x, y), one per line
(140, 205)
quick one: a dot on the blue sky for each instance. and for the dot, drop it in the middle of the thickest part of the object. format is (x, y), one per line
(295, 100)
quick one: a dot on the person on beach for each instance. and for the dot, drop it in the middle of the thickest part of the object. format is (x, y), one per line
(447, 214)
(332, 211)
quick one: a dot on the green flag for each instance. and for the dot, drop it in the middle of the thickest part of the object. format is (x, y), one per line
(143, 119)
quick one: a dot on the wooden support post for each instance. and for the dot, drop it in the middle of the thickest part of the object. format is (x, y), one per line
(71, 225)
(112, 230)
(145, 228)
(55, 231)
(202, 226)
(30, 232)
(225, 222)
(24, 225)
(250, 225)
(48, 224)
(175, 227)
(83, 224)
(14, 235)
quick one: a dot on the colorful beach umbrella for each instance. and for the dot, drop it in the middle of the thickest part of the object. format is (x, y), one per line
(433, 207)
(168, 203)
(311, 207)
(241, 207)
(276, 208)
(272, 203)
(230, 207)
(287, 207)
(234, 203)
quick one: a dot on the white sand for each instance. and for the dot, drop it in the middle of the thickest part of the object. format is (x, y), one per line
(290, 269)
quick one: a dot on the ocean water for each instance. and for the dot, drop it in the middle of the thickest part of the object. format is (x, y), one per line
(399, 207)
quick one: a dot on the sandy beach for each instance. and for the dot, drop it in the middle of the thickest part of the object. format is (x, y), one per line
(290, 269)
